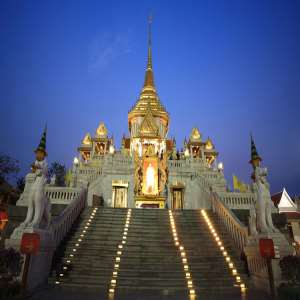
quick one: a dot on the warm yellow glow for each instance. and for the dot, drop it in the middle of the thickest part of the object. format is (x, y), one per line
(192, 292)
(230, 265)
(113, 281)
(242, 285)
(116, 266)
(119, 252)
(186, 267)
(77, 245)
(115, 273)
(118, 259)
(228, 258)
(120, 246)
(234, 271)
(188, 275)
(123, 242)
(238, 278)
(182, 254)
(225, 253)
(222, 248)
(111, 291)
(181, 248)
(184, 260)
(177, 243)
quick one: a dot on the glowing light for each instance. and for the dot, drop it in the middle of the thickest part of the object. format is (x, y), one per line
(61, 274)
(119, 252)
(234, 271)
(120, 246)
(192, 292)
(230, 265)
(186, 267)
(188, 275)
(56, 282)
(115, 273)
(116, 266)
(77, 245)
(111, 291)
(118, 259)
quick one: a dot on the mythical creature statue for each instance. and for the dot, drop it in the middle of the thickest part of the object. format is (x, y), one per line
(38, 204)
(264, 203)
(262, 214)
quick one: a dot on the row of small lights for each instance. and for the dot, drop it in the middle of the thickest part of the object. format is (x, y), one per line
(81, 237)
(186, 267)
(224, 252)
(113, 281)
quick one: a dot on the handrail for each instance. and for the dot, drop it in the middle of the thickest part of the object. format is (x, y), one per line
(237, 230)
(62, 224)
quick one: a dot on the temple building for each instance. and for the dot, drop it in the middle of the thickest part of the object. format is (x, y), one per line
(148, 170)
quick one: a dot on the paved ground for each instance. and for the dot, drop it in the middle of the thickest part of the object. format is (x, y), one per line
(55, 293)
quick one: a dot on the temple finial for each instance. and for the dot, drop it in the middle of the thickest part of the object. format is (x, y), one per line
(149, 64)
(149, 81)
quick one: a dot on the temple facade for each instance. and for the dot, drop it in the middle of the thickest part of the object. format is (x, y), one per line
(148, 170)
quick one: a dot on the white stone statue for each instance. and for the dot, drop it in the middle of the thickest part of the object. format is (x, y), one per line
(263, 203)
(38, 204)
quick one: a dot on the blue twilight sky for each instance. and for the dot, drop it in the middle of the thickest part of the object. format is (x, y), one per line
(228, 67)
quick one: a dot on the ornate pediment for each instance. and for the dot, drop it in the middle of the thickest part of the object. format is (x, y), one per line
(195, 135)
(148, 127)
(101, 130)
(87, 140)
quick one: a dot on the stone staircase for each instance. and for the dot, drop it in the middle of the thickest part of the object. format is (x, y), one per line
(150, 262)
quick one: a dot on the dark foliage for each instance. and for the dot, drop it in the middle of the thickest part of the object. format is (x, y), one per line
(59, 171)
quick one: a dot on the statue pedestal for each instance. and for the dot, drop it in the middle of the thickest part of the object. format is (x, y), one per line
(40, 264)
(144, 201)
(258, 265)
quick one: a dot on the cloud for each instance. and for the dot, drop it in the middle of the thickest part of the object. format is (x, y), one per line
(106, 48)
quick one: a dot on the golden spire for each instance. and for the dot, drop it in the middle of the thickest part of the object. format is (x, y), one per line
(149, 82)
(148, 96)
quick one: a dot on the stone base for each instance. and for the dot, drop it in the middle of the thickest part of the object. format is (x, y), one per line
(150, 201)
(40, 264)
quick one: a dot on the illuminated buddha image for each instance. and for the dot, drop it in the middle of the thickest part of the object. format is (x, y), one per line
(150, 179)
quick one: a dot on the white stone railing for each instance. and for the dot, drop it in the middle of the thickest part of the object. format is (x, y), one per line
(62, 224)
(237, 200)
(237, 230)
(61, 195)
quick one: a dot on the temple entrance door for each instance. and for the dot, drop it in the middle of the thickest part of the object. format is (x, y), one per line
(177, 198)
(119, 196)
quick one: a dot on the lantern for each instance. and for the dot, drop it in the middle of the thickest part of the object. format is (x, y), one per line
(266, 248)
(30, 243)
(3, 219)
